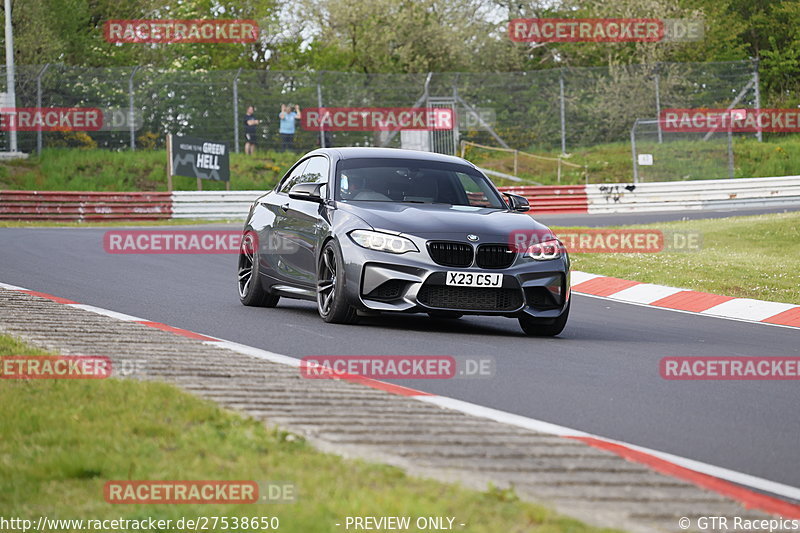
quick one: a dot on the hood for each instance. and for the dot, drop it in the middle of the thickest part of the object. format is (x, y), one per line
(441, 221)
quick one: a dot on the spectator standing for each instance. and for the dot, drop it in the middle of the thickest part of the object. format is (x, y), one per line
(287, 128)
(250, 135)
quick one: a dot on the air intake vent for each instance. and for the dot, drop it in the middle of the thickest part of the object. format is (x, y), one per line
(452, 254)
(470, 298)
(495, 256)
(388, 290)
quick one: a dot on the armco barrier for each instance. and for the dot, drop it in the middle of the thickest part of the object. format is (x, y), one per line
(663, 196)
(600, 198)
(553, 198)
(213, 204)
(70, 205)
(694, 195)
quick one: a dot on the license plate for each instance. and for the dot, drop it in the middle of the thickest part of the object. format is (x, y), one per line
(474, 279)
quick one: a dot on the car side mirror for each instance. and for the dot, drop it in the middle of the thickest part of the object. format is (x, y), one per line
(307, 191)
(517, 203)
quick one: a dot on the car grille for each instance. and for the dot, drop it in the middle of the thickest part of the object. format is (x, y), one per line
(452, 254)
(495, 256)
(388, 290)
(470, 298)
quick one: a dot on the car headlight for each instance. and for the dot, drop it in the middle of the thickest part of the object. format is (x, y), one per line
(551, 249)
(383, 242)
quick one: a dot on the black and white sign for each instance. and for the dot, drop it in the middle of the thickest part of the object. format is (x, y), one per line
(198, 158)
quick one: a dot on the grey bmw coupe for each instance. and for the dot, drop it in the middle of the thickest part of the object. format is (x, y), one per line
(369, 230)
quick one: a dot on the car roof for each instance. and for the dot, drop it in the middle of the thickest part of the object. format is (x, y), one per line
(358, 152)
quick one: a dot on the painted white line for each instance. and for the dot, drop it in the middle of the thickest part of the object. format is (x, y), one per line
(644, 293)
(576, 276)
(748, 309)
(733, 476)
(503, 417)
(106, 312)
(11, 287)
(554, 429)
(256, 352)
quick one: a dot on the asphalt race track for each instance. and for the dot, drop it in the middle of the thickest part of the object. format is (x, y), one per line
(601, 376)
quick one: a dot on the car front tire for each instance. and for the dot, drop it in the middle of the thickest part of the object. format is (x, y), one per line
(332, 301)
(537, 327)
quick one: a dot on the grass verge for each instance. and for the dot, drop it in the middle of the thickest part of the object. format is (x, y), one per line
(73, 169)
(62, 440)
(747, 257)
(673, 160)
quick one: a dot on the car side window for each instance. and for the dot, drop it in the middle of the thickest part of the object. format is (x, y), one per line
(476, 191)
(294, 177)
(316, 171)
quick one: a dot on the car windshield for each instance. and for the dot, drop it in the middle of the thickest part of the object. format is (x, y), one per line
(414, 181)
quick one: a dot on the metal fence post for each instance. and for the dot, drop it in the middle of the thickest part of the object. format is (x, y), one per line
(633, 152)
(319, 105)
(456, 130)
(559, 170)
(130, 110)
(563, 112)
(236, 110)
(39, 105)
(516, 162)
(658, 101)
(756, 83)
(730, 152)
(10, 81)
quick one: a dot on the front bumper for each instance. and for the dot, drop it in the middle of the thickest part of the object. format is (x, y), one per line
(414, 283)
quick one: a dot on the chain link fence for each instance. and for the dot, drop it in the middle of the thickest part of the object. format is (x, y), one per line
(557, 110)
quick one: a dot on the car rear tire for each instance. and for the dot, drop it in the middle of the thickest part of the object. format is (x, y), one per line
(332, 301)
(251, 291)
(537, 327)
